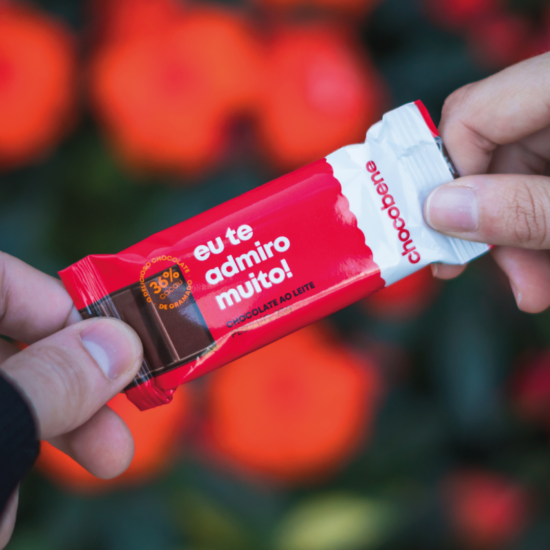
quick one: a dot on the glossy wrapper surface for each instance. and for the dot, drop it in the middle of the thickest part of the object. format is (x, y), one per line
(225, 283)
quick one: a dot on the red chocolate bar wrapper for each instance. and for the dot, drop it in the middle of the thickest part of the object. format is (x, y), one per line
(237, 277)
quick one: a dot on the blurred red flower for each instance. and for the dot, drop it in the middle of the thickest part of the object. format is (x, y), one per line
(37, 83)
(294, 409)
(165, 99)
(156, 435)
(124, 19)
(531, 388)
(539, 42)
(354, 6)
(501, 40)
(462, 13)
(486, 510)
(321, 93)
(405, 299)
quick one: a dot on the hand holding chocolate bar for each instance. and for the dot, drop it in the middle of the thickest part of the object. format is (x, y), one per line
(501, 127)
(67, 374)
(248, 272)
(218, 286)
(233, 279)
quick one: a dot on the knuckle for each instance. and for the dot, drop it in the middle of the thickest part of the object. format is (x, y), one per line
(527, 215)
(455, 101)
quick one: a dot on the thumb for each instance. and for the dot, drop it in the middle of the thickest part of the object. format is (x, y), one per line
(70, 375)
(501, 209)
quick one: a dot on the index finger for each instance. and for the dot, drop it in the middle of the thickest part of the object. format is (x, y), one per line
(33, 305)
(499, 110)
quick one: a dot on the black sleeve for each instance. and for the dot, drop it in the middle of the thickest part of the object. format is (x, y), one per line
(19, 444)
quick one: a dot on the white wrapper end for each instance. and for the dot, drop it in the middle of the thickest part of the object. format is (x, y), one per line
(386, 181)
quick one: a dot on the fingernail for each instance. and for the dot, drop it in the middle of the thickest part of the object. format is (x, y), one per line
(517, 295)
(114, 346)
(452, 209)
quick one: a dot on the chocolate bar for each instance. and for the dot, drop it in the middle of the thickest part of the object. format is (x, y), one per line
(172, 335)
(277, 258)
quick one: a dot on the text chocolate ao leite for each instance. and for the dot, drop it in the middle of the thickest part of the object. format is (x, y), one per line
(237, 277)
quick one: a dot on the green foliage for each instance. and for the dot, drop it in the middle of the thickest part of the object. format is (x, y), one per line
(448, 407)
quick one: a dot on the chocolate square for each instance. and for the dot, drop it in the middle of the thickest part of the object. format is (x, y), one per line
(170, 324)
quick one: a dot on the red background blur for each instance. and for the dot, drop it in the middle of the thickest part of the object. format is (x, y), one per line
(416, 419)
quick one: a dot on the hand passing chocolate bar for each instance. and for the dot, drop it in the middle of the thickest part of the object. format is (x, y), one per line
(58, 386)
(284, 255)
(500, 127)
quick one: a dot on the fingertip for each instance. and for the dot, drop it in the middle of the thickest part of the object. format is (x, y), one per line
(530, 303)
(532, 306)
(452, 209)
(114, 346)
(446, 272)
(103, 445)
(529, 274)
(82, 366)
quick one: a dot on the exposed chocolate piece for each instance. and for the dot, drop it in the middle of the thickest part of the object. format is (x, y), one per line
(171, 326)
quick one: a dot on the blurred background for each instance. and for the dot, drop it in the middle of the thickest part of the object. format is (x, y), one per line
(417, 419)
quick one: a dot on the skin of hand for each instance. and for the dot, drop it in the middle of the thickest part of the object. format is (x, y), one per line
(67, 374)
(498, 134)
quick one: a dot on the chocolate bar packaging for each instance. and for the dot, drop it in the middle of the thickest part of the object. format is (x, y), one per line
(237, 277)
